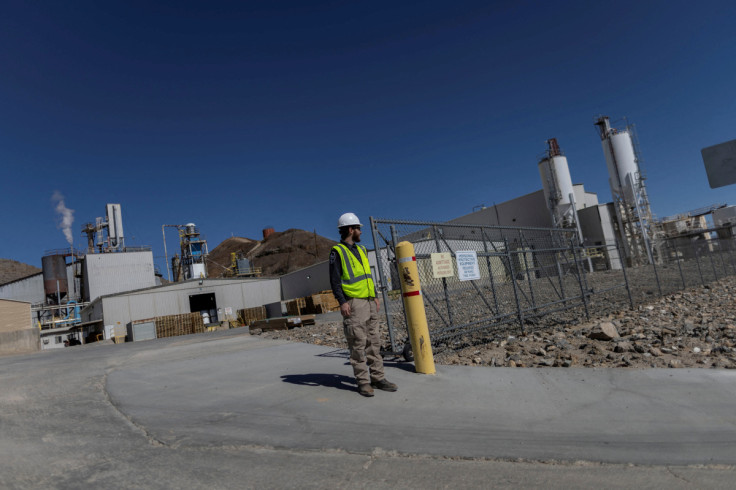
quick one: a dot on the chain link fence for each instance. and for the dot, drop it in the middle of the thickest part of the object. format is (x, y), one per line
(503, 280)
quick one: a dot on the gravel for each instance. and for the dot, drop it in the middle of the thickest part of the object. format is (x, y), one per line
(692, 328)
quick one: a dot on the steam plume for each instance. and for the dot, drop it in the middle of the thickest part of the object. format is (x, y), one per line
(66, 216)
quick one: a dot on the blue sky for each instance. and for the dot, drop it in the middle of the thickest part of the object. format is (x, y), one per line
(243, 115)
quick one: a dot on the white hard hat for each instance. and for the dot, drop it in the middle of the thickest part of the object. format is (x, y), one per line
(348, 219)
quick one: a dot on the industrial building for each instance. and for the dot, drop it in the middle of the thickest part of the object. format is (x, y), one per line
(559, 204)
(79, 295)
(31, 288)
(624, 229)
(71, 279)
(216, 299)
(724, 219)
(83, 293)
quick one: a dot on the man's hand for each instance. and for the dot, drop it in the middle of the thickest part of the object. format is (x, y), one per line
(378, 304)
(345, 309)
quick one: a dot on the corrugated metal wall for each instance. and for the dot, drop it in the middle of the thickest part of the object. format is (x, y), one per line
(528, 210)
(306, 282)
(173, 299)
(29, 289)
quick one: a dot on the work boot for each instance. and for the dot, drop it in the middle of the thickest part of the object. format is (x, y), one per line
(365, 390)
(384, 385)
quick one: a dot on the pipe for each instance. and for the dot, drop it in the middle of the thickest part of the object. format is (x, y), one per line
(166, 254)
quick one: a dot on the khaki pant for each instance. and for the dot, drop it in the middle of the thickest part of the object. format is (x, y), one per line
(364, 340)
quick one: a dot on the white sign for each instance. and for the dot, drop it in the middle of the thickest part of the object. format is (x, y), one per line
(467, 265)
(442, 265)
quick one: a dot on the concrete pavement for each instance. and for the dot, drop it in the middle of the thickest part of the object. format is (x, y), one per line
(225, 409)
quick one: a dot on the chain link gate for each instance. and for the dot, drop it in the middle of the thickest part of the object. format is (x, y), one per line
(525, 273)
(530, 273)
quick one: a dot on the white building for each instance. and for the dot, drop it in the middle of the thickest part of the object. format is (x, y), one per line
(215, 297)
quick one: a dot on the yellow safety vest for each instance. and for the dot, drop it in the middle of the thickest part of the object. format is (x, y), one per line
(357, 281)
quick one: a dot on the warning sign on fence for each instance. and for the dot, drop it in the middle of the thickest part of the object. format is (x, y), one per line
(442, 265)
(467, 265)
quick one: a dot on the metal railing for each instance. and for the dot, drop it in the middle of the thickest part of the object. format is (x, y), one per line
(527, 279)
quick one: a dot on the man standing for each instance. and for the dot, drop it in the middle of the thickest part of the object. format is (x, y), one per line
(353, 287)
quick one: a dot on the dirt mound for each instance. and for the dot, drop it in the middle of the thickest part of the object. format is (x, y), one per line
(219, 258)
(10, 270)
(281, 253)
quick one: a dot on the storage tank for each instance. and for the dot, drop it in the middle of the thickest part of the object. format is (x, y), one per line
(54, 271)
(623, 168)
(556, 183)
(243, 266)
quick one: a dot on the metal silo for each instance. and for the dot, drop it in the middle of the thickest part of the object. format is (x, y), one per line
(55, 284)
(633, 212)
(557, 185)
(623, 166)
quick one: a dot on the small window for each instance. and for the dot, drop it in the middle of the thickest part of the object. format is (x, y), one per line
(58, 339)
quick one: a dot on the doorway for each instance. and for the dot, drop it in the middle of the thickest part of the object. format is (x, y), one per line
(204, 304)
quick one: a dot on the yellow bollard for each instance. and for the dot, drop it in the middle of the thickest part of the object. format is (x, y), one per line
(414, 306)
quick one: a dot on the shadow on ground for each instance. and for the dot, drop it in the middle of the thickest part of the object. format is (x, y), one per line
(336, 353)
(343, 354)
(337, 381)
(404, 366)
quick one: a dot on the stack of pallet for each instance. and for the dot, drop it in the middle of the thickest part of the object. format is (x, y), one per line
(248, 316)
(296, 307)
(174, 325)
(322, 302)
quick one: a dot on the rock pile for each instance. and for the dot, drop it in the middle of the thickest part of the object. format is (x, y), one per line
(694, 328)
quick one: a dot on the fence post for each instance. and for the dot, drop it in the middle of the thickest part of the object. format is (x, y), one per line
(697, 262)
(384, 284)
(679, 266)
(435, 231)
(583, 293)
(656, 276)
(590, 263)
(512, 270)
(720, 254)
(490, 269)
(712, 262)
(730, 254)
(411, 291)
(526, 268)
(553, 243)
(622, 261)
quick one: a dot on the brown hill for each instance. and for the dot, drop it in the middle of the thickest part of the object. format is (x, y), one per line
(10, 270)
(281, 253)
